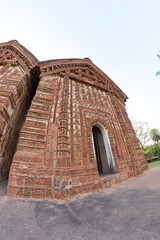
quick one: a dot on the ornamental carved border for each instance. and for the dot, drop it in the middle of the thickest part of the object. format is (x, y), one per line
(84, 72)
(18, 56)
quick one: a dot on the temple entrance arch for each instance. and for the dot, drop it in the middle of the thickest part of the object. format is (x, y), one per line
(102, 150)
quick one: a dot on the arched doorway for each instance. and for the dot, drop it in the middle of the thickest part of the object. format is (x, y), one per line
(102, 150)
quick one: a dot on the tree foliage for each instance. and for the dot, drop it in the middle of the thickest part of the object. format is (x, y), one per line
(158, 72)
(142, 132)
(155, 135)
(152, 151)
(144, 135)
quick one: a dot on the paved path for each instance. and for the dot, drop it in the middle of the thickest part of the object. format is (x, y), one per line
(129, 211)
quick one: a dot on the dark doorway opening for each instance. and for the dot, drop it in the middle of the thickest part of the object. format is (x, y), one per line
(100, 151)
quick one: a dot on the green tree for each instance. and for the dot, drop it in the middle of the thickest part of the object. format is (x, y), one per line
(151, 151)
(155, 135)
(142, 132)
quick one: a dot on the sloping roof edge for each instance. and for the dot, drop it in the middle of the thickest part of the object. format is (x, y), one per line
(21, 52)
(58, 65)
(55, 65)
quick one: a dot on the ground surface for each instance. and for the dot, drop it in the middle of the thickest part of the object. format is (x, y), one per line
(129, 211)
(154, 163)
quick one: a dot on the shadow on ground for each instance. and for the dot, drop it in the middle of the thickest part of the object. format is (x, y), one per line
(126, 211)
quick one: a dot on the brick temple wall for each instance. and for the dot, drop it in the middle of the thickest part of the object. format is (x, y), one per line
(15, 96)
(46, 142)
(55, 157)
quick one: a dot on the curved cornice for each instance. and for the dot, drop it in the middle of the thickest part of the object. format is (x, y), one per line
(82, 70)
(19, 54)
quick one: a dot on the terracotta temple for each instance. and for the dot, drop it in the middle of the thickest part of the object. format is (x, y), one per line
(64, 129)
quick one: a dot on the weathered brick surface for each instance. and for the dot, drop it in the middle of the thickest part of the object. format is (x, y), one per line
(16, 91)
(55, 156)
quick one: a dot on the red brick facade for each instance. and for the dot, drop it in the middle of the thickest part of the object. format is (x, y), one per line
(55, 157)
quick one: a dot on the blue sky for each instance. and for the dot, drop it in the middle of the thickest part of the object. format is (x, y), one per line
(121, 37)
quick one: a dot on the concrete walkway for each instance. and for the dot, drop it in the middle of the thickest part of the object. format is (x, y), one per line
(129, 211)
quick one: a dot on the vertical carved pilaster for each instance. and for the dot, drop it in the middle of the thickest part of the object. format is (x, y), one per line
(62, 176)
(63, 150)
